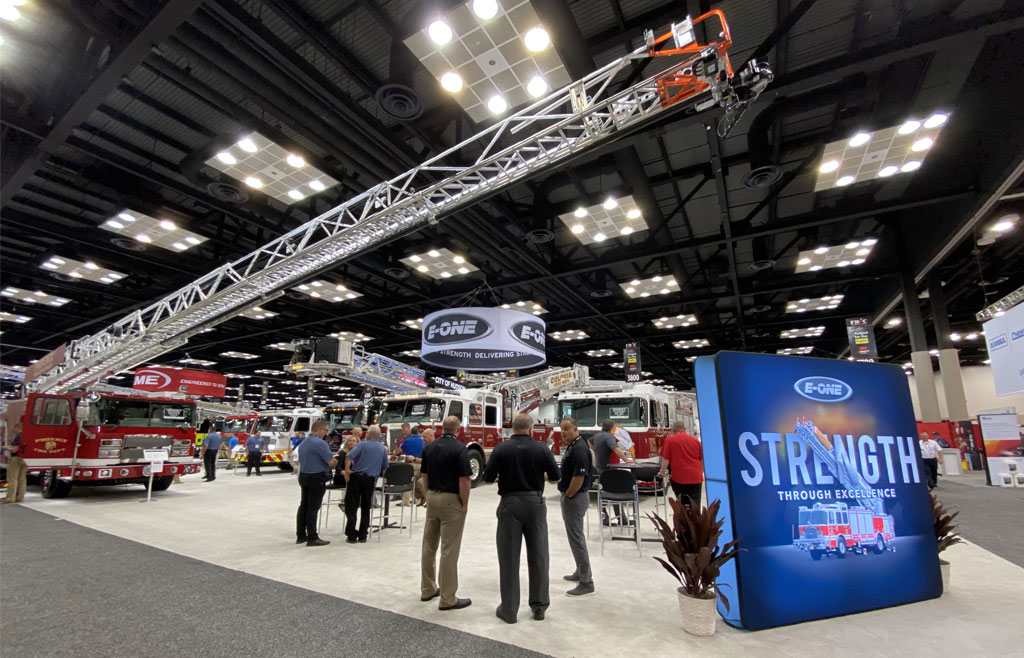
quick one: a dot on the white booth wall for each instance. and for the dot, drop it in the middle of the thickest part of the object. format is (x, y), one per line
(979, 388)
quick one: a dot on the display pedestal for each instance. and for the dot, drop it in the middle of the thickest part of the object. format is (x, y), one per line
(949, 461)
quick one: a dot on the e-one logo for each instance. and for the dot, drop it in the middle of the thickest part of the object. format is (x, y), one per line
(529, 333)
(455, 328)
(823, 389)
(152, 378)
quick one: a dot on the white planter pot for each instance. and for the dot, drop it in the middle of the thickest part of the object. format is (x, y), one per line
(699, 615)
(944, 568)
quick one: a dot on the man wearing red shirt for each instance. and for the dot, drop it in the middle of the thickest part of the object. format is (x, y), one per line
(682, 455)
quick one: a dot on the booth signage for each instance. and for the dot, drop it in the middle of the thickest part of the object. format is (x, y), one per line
(862, 339)
(817, 465)
(480, 338)
(192, 382)
(631, 362)
(1004, 337)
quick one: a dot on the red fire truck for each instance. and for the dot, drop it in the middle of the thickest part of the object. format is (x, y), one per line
(97, 437)
(836, 529)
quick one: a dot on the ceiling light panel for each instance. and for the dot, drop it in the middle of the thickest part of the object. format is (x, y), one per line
(256, 313)
(681, 320)
(855, 252)
(350, 336)
(261, 164)
(601, 353)
(239, 355)
(33, 297)
(691, 359)
(490, 64)
(237, 375)
(802, 332)
(569, 334)
(284, 346)
(163, 233)
(416, 324)
(868, 155)
(656, 285)
(612, 218)
(826, 303)
(327, 291)
(527, 306)
(268, 371)
(197, 362)
(87, 271)
(439, 264)
(415, 353)
(14, 317)
(789, 351)
(616, 364)
(691, 344)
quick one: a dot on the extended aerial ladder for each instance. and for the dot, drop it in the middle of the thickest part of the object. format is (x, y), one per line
(566, 123)
(332, 357)
(523, 394)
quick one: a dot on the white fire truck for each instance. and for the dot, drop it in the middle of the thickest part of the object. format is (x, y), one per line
(276, 428)
(837, 529)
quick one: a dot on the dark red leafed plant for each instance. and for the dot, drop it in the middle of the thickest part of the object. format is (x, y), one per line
(942, 522)
(691, 544)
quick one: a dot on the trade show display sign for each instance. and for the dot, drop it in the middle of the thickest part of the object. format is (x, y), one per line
(817, 465)
(1005, 339)
(1001, 436)
(480, 338)
(631, 362)
(862, 339)
(191, 382)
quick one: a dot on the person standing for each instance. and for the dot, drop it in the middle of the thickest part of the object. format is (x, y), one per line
(577, 475)
(16, 471)
(683, 456)
(519, 464)
(411, 450)
(211, 446)
(315, 464)
(930, 457)
(447, 476)
(367, 461)
(253, 453)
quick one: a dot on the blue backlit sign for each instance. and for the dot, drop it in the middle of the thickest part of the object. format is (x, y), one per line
(817, 464)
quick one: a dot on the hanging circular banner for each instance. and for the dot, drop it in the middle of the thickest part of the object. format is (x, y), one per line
(482, 338)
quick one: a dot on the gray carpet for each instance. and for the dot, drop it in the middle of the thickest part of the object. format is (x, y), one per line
(75, 592)
(991, 517)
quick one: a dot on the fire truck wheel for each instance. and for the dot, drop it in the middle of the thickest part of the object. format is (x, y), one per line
(879, 544)
(840, 546)
(476, 466)
(816, 555)
(162, 483)
(52, 486)
(285, 466)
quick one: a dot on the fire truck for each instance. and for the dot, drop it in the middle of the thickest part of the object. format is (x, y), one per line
(97, 437)
(644, 410)
(486, 411)
(837, 529)
(277, 427)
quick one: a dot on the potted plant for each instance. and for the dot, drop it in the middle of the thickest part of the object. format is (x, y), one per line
(695, 559)
(945, 535)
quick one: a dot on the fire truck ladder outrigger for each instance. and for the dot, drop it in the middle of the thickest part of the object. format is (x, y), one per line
(563, 125)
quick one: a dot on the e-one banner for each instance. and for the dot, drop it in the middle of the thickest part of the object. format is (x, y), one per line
(481, 338)
(819, 471)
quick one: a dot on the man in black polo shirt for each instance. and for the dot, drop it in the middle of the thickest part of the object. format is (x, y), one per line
(446, 475)
(575, 487)
(519, 465)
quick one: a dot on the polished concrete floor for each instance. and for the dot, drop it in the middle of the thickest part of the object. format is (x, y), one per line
(247, 524)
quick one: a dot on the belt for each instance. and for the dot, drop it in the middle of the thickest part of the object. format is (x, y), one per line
(523, 493)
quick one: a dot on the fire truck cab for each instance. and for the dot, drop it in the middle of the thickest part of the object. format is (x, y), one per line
(277, 427)
(838, 529)
(98, 437)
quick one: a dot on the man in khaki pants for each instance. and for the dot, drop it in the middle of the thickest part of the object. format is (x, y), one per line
(16, 471)
(447, 478)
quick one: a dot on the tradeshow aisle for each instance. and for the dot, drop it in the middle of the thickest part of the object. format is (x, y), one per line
(246, 524)
(991, 517)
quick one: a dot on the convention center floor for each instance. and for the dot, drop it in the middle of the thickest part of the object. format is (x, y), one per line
(211, 569)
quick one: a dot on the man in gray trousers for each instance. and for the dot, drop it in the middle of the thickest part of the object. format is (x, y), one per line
(519, 464)
(577, 475)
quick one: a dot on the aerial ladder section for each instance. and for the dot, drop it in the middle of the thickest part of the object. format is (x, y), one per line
(563, 125)
(330, 357)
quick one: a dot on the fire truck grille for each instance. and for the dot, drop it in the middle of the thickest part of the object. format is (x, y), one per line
(134, 444)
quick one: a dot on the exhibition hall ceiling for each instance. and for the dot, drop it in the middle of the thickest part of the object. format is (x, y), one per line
(146, 143)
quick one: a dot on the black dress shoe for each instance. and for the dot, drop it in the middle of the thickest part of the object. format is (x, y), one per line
(362, 540)
(436, 594)
(350, 540)
(301, 540)
(572, 578)
(317, 542)
(538, 615)
(497, 613)
(459, 605)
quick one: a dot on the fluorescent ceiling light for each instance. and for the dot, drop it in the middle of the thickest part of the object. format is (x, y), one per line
(569, 334)
(239, 355)
(416, 324)
(437, 262)
(328, 291)
(354, 337)
(637, 288)
(415, 353)
(802, 332)
(257, 313)
(197, 362)
(691, 344)
(806, 349)
(284, 346)
(14, 317)
(605, 352)
(526, 306)
(607, 219)
(844, 255)
(681, 320)
(88, 271)
(33, 296)
(826, 303)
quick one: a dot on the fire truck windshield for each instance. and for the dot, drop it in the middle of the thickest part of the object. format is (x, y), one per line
(813, 517)
(141, 413)
(412, 411)
(274, 423)
(342, 418)
(584, 411)
(235, 425)
(627, 412)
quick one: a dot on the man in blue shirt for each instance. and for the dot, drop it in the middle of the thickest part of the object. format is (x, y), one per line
(211, 445)
(411, 449)
(253, 453)
(315, 464)
(363, 465)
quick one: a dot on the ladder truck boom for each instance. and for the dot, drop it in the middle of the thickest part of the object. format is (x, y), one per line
(566, 123)
(524, 394)
(330, 357)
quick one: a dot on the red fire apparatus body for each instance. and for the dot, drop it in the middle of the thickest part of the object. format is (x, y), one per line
(836, 529)
(97, 438)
